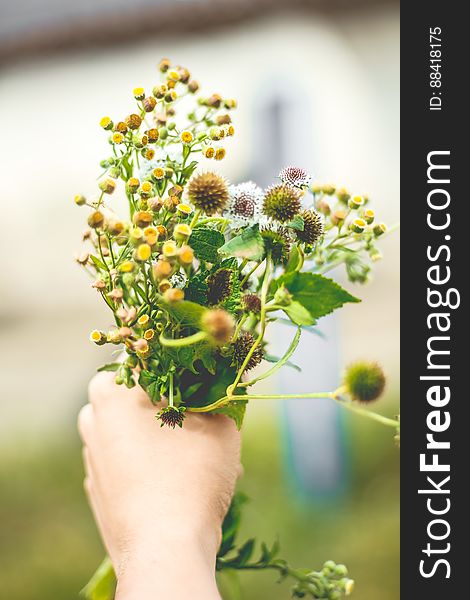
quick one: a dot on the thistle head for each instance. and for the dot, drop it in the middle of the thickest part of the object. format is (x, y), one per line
(219, 286)
(208, 192)
(219, 324)
(313, 227)
(282, 202)
(241, 347)
(171, 416)
(294, 176)
(364, 381)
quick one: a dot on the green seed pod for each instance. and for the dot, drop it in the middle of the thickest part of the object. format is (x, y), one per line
(364, 381)
(379, 229)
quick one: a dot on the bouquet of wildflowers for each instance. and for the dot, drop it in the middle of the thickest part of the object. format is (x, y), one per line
(198, 269)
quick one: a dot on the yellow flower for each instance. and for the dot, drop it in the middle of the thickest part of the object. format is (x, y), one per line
(139, 93)
(106, 123)
(220, 153)
(186, 255)
(230, 130)
(133, 184)
(209, 152)
(148, 153)
(184, 209)
(143, 321)
(173, 74)
(98, 337)
(143, 252)
(186, 137)
(145, 189)
(182, 232)
(169, 249)
(158, 173)
(127, 266)
(118, 138)
(151, 235)
(149, 334)
(164, 285)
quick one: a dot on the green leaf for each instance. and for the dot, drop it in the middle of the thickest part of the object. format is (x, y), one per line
(150, 382)
(102, 585)
(235, 410)
(196, 289)
(109, 367)
(187, 356)
(274, 359)
(282, 361)
(294, 259)
(249, 244)
(245, 552)
(297, 223)
(232, 523)
(186, 313)
(318, 294)
(205, 242)
(98, 263)
(298, 314)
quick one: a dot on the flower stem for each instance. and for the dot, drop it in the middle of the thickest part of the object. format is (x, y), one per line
(332, 395)
(185, 341)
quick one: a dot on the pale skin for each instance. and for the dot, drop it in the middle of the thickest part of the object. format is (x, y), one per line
(158, 495)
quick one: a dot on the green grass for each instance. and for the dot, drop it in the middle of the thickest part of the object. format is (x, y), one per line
(49, 545)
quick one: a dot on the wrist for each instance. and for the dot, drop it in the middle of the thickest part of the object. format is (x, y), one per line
(177, 560)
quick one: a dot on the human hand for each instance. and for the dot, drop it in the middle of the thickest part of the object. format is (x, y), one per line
(159, 496)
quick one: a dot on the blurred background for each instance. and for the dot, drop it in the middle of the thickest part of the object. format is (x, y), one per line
(318, 85)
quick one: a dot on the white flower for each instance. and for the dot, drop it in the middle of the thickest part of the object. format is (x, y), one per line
(295, 176)
(246, 201)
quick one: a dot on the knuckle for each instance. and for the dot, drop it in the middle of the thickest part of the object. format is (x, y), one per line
(84, 421)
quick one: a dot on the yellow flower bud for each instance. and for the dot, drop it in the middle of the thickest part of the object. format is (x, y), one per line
(220, 153)
(379, 229)
(133, 121)
(209, 152)
(142, 218)
(133, 184)
(151, 235)
(107, 186)
(181, 232)
(121, 127)
(173, 295)
(369, 216)
(96, 220)
(164, 285)
(136, 235)
(145, 189)
(162, 269)
(79, 200)
(152, 135)
(142, 252)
